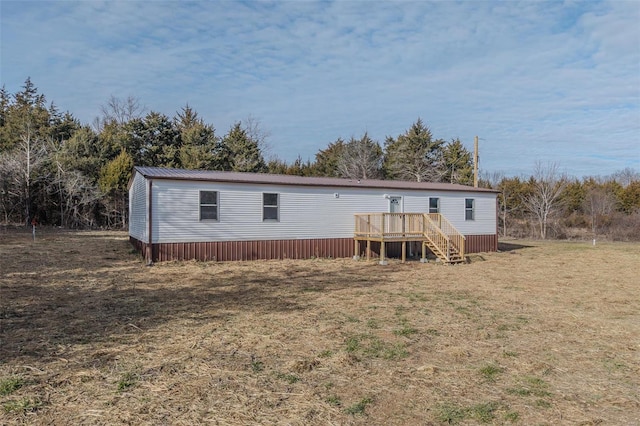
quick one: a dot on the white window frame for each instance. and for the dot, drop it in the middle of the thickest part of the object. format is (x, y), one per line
(469, 212)
(270, 206)
(437, 208)
(216, 205)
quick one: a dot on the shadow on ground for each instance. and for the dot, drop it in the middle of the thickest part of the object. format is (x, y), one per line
(88, 289)
(504, 246)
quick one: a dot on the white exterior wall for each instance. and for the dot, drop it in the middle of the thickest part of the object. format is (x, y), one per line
(138, 208)
(452, 206)
(306, 212)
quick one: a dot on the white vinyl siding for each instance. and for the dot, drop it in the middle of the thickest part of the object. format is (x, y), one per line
(138, 208)
(304, 212)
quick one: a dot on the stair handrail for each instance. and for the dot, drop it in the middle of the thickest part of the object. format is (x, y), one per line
(437, 236)
(452, 232)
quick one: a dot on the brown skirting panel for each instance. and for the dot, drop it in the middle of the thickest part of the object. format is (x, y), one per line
(481, 243)
(249, 250)
(292, 249)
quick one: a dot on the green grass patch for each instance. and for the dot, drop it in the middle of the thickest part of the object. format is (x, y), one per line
(512, 416)
(543, 403)
(24, 405)
(405, 331)
(490, 372)
(373, 323)
(416, 297)
(326, 353)
(10, 385)
(484, 412)
(359, 407)
(353, 344)
(450, 413)
(289, 378)
(530, 386)
(334, 400)
(372, 346)
(257, 366)
(127, 381)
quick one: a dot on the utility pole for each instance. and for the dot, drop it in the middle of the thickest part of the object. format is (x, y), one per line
(475, 162)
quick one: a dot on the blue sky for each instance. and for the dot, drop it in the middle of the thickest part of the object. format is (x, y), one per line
(536, 81)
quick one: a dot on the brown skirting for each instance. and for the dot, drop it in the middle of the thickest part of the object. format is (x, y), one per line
(291, 249)
(481, 243)
(249, 250)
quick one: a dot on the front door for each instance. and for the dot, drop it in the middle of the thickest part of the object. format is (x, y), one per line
(395, 204)
(395, 221)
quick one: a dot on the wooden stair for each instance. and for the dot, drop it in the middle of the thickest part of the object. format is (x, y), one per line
(452, 256)
(443, 239)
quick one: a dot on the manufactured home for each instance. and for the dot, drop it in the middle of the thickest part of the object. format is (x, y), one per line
(209, 215)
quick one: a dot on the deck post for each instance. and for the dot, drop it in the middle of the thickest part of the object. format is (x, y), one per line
(404, 251)
(404, 223)
(356, 246)
(368, 249)
(382, 259)
(423, 259)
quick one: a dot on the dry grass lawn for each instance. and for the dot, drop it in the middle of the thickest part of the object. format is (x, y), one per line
(541, 333)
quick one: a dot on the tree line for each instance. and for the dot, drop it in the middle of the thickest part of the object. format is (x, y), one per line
(551, 204)
(61, 172)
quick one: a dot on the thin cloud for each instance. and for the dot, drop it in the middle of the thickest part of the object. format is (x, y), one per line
(554, 81)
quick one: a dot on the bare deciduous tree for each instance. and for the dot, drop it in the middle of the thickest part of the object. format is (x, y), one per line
(119, 111)
(78, 198)
(626, 176)
(547, 184)
(361, 159)
(27, 159)
(10, 191)
(599, 202)
(256, 132)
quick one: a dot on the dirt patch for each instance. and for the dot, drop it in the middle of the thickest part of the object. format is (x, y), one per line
(544, 333)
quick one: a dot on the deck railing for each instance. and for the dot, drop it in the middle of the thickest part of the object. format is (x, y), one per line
(406, 226)
(455, 236)
(389, 225)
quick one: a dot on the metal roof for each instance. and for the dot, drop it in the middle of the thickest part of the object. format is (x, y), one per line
(265, 178)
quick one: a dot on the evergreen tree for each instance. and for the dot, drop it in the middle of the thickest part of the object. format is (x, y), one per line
(200, 147)
(244, 152)
(414, 155)
(114, 180)
(327, 159)
(458, 163)
(152, 141)
(27, 113)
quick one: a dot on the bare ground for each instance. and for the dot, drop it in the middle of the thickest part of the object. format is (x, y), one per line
(541, 333)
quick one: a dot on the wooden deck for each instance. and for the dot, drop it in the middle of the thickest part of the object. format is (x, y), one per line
(432, 230)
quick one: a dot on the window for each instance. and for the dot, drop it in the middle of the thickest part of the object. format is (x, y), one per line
(270, 207)
(434, 205)
(208, 205)
(469, 207)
